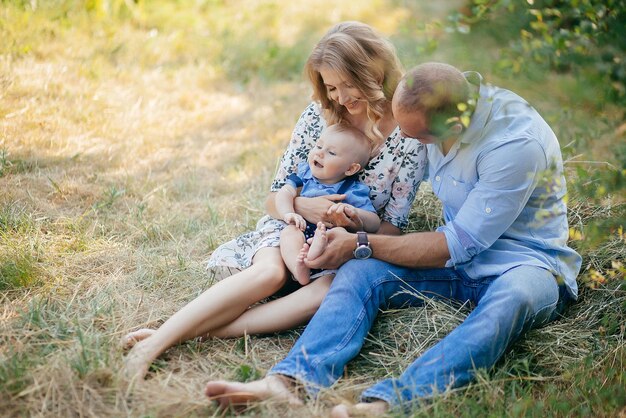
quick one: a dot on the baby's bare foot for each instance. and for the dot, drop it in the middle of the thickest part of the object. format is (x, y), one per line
(237, 394)
(320, 240)
(302, 273)
(129, 340)
(363, 409)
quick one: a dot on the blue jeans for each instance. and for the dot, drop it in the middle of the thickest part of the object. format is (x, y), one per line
(506, 307)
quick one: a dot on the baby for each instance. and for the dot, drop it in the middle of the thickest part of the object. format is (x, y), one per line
(339, 154)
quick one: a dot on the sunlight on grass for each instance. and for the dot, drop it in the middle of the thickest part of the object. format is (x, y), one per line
(136, 136)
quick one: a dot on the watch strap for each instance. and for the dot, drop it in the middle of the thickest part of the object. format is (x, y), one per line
(361, 239)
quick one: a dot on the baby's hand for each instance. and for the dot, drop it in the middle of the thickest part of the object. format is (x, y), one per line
(340, 208)
(345, 215)
(295, 219)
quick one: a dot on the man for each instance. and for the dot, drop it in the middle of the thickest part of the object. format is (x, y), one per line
(497, 168)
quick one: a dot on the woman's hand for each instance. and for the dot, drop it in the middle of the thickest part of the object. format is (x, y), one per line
(339, 249)
(314, 209)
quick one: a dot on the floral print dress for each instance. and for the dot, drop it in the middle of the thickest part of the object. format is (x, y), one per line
(393, 177)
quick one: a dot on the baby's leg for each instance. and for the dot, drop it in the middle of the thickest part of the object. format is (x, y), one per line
(291, 242)
(320, 240)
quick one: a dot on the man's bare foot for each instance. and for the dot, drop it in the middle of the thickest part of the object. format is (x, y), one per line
(237, 394)
(129, 340)
(301, 272)
(362, 409)
(320, 240)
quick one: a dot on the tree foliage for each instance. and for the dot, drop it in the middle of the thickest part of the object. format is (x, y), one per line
(585, 37)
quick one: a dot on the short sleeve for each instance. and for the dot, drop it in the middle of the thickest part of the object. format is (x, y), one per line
(294, 181)
(306, 132)
(410, 165)
(359, 197)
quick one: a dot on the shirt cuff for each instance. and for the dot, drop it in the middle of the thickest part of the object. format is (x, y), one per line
(460, 244)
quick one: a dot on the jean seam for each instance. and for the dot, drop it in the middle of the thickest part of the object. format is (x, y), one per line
(353, 329)
(378, 395)
(540, 310)
(359, 320)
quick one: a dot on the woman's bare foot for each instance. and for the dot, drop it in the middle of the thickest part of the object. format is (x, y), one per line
(320, 240)
(362, 409)
(301, 272)
(138, 360)
(129, 340)
(237, 394)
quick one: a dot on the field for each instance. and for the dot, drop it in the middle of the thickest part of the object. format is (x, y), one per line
(135, 137)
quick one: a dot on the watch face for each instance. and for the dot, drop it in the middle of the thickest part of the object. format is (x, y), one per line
(362, 252)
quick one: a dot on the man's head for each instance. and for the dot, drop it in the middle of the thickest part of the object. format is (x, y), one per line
(341, 151)
(426, 102)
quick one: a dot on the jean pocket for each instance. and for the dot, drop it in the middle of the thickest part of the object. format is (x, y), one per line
(472, 282)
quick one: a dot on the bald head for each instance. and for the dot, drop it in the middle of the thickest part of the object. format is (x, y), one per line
(434, 89)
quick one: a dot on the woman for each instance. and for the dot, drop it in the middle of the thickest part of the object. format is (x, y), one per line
(354, 72)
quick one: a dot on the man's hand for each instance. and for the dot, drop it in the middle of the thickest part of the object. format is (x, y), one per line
(295, 219)
(344, 215)
(339, 249)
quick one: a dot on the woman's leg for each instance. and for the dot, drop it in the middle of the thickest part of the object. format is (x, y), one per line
(217, 306)
(280, 314)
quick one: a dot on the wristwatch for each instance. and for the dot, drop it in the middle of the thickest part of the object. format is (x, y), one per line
(362, 250)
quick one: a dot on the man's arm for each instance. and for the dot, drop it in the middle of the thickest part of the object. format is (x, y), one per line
(417, 250)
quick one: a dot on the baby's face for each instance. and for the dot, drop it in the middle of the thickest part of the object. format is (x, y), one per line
(332, 157)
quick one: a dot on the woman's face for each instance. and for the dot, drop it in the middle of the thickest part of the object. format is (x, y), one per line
(343, 92)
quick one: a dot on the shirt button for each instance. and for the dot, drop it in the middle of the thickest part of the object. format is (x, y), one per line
(488, 210)
(454, 182)
(438, 178)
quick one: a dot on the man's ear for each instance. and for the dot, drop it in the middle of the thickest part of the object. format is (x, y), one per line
(456, 129)
(354, 168)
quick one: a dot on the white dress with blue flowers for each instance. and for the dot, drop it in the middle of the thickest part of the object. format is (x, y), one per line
(393, 177)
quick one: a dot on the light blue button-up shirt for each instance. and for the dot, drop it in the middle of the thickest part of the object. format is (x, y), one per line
(503, 189)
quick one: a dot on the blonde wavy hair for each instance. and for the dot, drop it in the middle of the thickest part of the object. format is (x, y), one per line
(365, 58)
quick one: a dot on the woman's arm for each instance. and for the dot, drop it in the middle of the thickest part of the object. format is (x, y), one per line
(387, 228)
(270, 205)
(410, 162)
(370, 220)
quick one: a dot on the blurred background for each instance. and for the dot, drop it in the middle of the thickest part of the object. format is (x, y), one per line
(136, 136)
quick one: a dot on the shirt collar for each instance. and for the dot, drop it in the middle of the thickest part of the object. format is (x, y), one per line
(483, 106)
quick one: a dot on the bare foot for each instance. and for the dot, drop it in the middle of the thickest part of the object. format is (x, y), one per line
(362, 409)
(237, 394)
(319, 242)
(129, 340)
(301, 272)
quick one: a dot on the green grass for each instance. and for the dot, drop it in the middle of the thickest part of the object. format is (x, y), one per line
(135, 137)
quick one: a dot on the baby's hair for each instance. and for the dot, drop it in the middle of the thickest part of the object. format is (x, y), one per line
(363, 144)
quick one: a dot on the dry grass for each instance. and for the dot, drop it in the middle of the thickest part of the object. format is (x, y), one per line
(127, 154)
